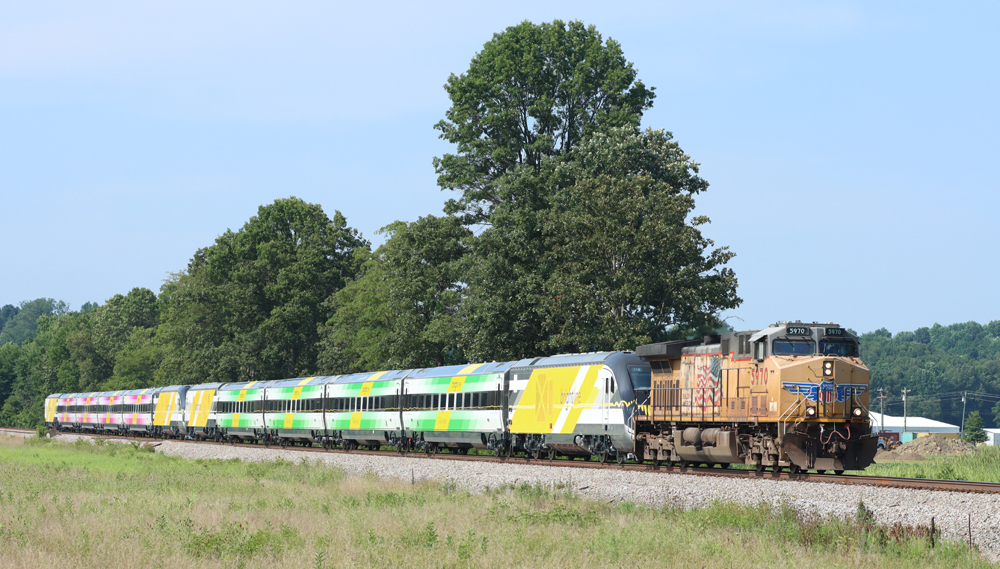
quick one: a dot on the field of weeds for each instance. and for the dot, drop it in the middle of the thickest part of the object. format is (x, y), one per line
(983, 465)
(108, 505)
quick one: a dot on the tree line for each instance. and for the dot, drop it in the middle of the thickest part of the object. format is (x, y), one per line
(938, 364)
(569, 229)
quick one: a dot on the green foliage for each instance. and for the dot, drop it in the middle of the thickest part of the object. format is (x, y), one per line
(402, 312)
(982, 465)
(532, 92)
(935, 360)
(22, 323)
(595, 251)
(115, 322)
(974, 432)
(250, 306)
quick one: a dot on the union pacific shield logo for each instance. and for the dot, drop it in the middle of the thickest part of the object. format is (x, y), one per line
(826, 391)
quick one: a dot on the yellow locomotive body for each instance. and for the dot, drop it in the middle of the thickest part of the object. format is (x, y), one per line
(792, 395)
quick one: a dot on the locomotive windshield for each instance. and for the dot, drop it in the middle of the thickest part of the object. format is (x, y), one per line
(641, 376)
(843, 348)
(794, 347)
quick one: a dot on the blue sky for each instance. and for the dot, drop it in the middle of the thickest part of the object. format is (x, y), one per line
(850, 147)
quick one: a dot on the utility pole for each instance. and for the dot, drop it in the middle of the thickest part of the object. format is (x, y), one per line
(881, 407)
(964, 393)
(905, 391)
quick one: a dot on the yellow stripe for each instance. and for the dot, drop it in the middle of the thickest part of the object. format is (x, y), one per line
(206, 407)
(588, 394)
(442, 420)
(243, 395)
(297, 392)
(355, 421)
(134, 422)
(251, 384)
(456, 384)
(236, 419)
(468, 369)
(366, 389)
(306, 380)
(376, 376)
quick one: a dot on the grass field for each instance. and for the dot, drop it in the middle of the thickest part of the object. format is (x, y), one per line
(110, 505)
(982, 465)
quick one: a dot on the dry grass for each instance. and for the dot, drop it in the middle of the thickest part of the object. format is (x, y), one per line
(109, 505)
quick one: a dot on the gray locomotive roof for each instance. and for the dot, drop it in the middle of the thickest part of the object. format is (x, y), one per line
(566, 360)
(173, 388)
(781, 326)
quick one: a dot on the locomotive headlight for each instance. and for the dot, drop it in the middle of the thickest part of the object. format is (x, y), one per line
(810, 411)
(856, 412)
(827, 368)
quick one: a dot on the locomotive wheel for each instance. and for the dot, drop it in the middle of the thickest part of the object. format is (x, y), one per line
(838, 472)
(820, 472)
(539, 453)
(685, 464)
(552, 454)
(656, 463)
(759, 467)
(603, 457)
(794, 469)
(497, 451)
(622, 458)
(510, 451)
(776, 468)
(284, 443)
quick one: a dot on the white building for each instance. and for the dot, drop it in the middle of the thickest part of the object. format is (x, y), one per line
(915, 426)
(992, 436)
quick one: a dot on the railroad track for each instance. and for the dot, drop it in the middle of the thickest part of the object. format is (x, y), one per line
(845, 479)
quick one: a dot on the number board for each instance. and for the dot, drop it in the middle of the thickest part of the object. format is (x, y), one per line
(797, 331)
(834, 331)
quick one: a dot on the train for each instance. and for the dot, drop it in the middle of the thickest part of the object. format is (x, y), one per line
(793, 395)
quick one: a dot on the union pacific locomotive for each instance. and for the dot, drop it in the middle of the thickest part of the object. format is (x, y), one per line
(793, 395)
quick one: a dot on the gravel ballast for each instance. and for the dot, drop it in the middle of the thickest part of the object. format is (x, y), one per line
(950, 510)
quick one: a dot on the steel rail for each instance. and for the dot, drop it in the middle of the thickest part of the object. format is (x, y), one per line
(845, 479)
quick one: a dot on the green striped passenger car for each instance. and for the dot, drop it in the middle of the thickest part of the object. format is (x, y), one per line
(293, 410)
(239, 410)
(458, 407)
(362, 409)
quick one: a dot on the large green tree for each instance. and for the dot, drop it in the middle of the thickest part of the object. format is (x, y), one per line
(23, 323)
(249, 307)
(121, 316)
(602, 252)
(532, 92)
(403, 311)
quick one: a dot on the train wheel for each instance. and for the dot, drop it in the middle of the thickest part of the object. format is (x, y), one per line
(539, 453)
(552, 454)
(510, 451)
(603, 457)
(820, 472)
(657, 462)
(794, 469)
(622, 458)
(776, 468)
(838, 472)
(685, 464)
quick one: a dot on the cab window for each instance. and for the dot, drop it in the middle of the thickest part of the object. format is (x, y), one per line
(843, 348)
(793, 347)
(641, 377)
